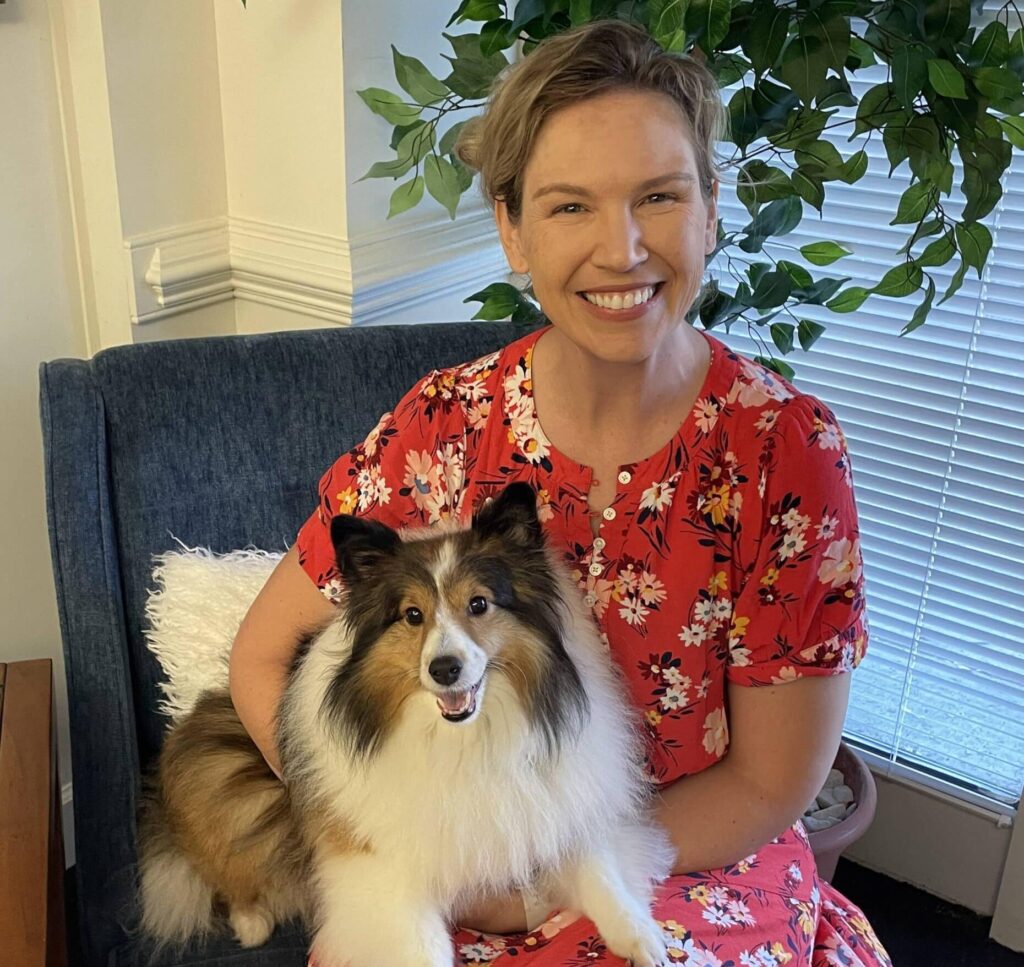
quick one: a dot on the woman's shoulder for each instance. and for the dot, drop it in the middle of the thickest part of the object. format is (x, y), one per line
(467, 388)
(756, 400)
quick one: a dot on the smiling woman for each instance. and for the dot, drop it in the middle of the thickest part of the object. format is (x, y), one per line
(700, 501)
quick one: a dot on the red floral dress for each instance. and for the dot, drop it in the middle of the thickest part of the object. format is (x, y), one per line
(731, 554)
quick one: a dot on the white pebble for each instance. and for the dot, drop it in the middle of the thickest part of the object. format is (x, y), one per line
(842, 794)
(838, 811)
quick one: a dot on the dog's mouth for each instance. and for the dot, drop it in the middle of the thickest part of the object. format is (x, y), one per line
(459, 705)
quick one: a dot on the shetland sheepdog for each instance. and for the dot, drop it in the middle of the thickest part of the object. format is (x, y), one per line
(458, 730)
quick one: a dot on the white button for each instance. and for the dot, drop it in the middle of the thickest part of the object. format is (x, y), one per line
(608, 513)
(598, 543)
(595, 569)
(591, 600)
(625, 477)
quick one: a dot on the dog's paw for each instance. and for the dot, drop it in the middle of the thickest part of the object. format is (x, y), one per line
(641, 944)
(252, 926)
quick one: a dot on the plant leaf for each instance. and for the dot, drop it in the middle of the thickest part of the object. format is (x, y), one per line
(389, 106)
(776, 366)
(766, 35)
(849, 300)
(809, 188)
(579, 12)
(909, 73)
(442, 182)
(772, 290)
(805, 62)
(974, 242)
(708, 21)
(499, 300)
(416, 80)
(406, 196)
(472, 73)
(476, 10)
(777, 218)
(992, 46)
(877, 108)
(937, 252)
(944, 19)
(900, 280)
(954, 285)
(800, 276)
(945, 79)
(389, 169)
(808, 332)
(1014, 128)
(526, 11)
(915, 203)
(666, 19)
(921, 312)
(823, 253)
(997, 83)
(759, 183)
(855, 168)
(782, 335)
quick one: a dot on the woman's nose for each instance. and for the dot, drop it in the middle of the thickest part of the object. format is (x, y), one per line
(619, 244)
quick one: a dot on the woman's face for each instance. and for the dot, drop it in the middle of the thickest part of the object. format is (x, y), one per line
(613, 213)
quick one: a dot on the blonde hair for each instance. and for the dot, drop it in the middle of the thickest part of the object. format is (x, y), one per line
(585, 62)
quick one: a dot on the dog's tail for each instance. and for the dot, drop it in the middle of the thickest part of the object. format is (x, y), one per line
(177, 904)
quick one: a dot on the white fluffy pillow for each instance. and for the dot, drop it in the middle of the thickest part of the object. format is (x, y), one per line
(194, 612)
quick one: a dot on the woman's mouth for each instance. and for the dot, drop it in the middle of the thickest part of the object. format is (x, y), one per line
(627, 304)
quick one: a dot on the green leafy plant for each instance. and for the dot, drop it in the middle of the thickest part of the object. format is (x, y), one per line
(953, 92)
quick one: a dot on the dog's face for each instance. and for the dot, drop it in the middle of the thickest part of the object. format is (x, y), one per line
(440, 614)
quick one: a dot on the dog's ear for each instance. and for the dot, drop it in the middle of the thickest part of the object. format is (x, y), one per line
(511, 516)
(360, 544)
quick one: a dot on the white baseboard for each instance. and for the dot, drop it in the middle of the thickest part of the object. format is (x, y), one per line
(342, 281)
(952, 849)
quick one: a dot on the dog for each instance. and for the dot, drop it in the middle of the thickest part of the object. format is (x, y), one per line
(458, 730)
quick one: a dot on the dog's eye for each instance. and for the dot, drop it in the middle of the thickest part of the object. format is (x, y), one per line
(477, 604)
(414, 616)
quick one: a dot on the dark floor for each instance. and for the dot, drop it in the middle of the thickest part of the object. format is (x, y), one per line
(917, 929)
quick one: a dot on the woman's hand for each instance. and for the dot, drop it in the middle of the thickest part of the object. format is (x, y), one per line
(497, 915)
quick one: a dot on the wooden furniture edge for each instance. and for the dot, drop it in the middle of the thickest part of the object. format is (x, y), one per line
(32, 923)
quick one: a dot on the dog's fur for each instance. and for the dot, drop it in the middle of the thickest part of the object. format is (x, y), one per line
(456, 731)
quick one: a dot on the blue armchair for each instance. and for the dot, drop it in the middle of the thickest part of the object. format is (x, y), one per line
(219, 442)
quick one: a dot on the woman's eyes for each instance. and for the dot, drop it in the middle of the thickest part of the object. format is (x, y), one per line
(658, 197)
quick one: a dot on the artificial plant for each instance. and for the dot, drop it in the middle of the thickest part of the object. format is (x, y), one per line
(949, 108)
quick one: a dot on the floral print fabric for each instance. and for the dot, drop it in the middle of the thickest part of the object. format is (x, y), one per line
(730, 555)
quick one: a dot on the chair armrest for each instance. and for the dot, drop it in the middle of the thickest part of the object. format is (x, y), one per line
(31, 847)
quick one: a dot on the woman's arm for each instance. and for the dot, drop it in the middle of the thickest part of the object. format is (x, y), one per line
(287, 609)
(782, 743)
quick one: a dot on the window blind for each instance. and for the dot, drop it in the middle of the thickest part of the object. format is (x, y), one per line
(935, 424)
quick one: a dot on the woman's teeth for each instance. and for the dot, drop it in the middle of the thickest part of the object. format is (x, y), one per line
(620, 300)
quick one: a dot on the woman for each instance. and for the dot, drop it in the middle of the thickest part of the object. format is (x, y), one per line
(705, 505)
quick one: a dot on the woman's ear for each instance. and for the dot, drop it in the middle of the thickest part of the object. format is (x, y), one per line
(508, 232)
(711, 227)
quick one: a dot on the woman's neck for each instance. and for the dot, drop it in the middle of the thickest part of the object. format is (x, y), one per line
(623, 399)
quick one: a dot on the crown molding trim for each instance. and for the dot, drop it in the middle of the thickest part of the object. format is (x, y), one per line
(341, 281)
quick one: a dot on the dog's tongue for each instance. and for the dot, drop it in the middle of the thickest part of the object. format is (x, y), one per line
(455, 704)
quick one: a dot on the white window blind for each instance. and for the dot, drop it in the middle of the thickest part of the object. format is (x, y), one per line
(935, 423)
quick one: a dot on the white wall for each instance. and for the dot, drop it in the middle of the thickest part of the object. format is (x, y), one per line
(42, 319)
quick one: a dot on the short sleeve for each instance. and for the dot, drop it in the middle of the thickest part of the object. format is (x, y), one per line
(800, 610)
(408, 472)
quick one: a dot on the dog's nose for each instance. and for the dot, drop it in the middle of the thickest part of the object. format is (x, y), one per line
(445, 670)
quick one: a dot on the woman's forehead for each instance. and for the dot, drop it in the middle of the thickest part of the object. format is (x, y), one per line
(619, 140)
